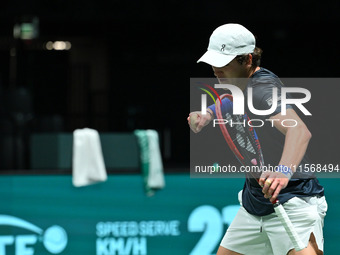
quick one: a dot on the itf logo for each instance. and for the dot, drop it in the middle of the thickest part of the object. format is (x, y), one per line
(53, 238)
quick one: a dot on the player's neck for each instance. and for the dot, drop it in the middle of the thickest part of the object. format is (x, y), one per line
(253, 70)
(244, 82)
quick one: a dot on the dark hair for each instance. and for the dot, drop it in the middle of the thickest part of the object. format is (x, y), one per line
(256, 61)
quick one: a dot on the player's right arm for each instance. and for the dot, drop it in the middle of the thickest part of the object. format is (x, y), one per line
(197, 120)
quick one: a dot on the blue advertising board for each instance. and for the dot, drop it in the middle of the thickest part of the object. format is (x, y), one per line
(45, 214)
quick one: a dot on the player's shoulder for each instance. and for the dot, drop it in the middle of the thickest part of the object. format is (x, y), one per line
(263, 72)
(264, 78)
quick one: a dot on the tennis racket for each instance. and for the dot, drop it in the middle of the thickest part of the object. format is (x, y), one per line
(243, 141)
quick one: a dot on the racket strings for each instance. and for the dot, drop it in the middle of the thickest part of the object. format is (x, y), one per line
(240, 132)
(242, 138)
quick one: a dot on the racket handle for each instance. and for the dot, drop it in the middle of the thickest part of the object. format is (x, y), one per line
(287, 224)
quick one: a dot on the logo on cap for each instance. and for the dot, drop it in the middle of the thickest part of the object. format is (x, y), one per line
(223, 46)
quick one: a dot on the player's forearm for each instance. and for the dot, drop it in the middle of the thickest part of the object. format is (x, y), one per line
(227, 106)
(295, 147)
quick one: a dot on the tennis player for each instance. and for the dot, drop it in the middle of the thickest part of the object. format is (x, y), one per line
(256, 230)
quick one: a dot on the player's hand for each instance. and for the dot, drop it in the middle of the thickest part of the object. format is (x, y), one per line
(272, 183)
(197, 121)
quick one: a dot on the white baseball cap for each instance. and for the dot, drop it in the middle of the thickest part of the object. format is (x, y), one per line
(227, 42)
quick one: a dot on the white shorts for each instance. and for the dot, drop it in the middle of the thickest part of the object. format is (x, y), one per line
(254, 235)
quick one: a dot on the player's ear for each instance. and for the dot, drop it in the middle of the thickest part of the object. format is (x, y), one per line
(249, 59)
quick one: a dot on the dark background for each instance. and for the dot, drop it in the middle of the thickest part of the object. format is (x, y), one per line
(131, 61)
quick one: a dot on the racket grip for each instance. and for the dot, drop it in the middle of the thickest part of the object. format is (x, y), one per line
(287, 224)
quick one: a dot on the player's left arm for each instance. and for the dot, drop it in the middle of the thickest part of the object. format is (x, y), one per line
(296, 142)
(296, 139)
